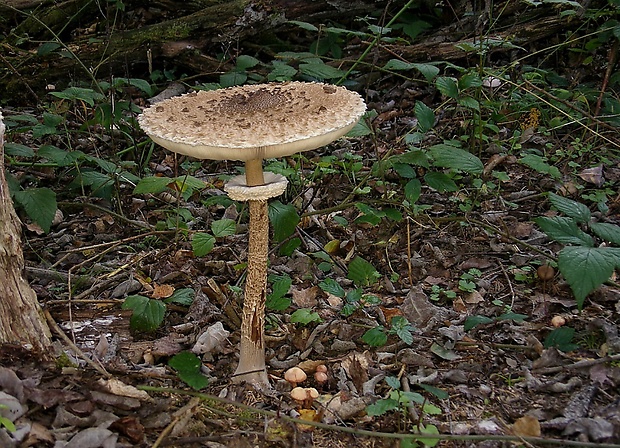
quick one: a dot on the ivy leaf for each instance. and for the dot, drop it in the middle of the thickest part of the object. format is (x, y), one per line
(39, 204)
(586, 268)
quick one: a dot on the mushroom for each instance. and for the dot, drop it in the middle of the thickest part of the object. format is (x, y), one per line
(304, 395)
(251, 123)
(295, 375)
(320, 375)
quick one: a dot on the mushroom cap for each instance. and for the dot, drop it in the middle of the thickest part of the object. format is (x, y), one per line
(295, 375)
(299, 394)
(238, 190)
(254, 121)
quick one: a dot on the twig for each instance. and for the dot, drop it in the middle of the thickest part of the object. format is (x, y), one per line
(578, 365)
(611, 62)
(178, 416)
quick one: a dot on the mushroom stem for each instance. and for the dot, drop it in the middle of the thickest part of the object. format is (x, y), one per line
(252, 351)
(254, 172)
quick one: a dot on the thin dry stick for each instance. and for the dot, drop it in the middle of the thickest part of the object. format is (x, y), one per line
(178, 416)
(577, 365)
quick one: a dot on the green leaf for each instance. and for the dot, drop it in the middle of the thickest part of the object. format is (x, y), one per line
(440, 182)
(223, 227)
(304, 316)
(471, 79)
(564, 230)
(512, 316)
(474, 321)
(393, 382)
(278, 303)
(89, 96)
(320, 71)
(183, 296)
(561, 338)
(609, 233)
(188, 366)
(362, 272)
(148, 314)
(429, 71)
(447, 86)
(202, 244)
(232, 79)
(540, 164)
(47, 47)
(448, 156)
(401, 327)
(284, 219)
(245, 61)
(425, 116)
(17, 150)
(287, 248)
(573, 209)
(152, 185)
(59, 156)
(586, 268)
(39, 204)
(304, 25)
(469, 102)
(375, 337)
(413, 190)
(369, 215)
(382, 406)
(138, 83)
(281, 286)
(439, 393)
(444, 353)
(331, 286)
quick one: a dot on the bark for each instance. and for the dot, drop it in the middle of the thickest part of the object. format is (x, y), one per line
(21, 319)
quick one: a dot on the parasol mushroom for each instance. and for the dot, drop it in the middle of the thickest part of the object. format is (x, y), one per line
(251, 123)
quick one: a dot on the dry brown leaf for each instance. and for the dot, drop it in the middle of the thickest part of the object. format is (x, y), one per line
(305, 298)
(526, 426)
(162, 291)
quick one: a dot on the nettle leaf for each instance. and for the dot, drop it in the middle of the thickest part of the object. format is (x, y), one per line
(425, 116)
(586, 268)
(564, 230)
(609, 233)
(148, 314)
(202, 244)
(283, 218)
(440, 182)
(573, 209)
(39, 204)
(362, 273)
(331, 286)
(448, 156)
(304, 316)
(223, 227)
(375, 337)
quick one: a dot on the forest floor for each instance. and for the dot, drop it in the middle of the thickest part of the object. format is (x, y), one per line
(467, 296)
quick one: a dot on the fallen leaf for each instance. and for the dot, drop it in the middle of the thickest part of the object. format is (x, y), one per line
(593, 175)
(526, 426)
(117, 387)
(305, 298)
(162, 291)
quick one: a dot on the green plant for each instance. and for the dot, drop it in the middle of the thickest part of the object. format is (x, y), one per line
(591, 251)
(399, 326)
(148, 314)
(437, 292)
(466, 282)
(475, 320)
(399, 401)
(187, 365)
(561, 338)
(5, 422)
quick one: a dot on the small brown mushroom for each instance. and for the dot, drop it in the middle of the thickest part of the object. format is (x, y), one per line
(304, 396)
(295, 375)
(320, 375)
